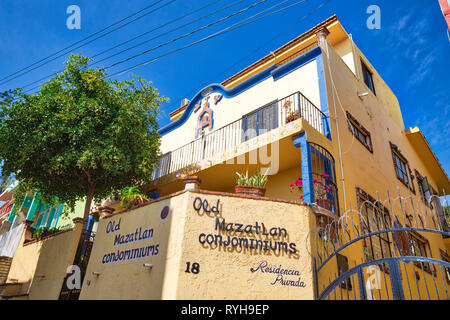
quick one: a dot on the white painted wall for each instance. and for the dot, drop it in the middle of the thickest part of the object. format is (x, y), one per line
(304, 79)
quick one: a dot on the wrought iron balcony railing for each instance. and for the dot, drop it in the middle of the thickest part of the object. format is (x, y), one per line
(260, 121)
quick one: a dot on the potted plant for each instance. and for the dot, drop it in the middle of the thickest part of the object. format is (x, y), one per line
(132, 196)
(291, 116)
(45, 232)
(38, 234)
(321, 191)
(254, 185)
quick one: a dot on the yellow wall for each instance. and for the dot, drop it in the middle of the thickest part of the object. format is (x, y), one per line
(224, 272)
(41, 266)
(373, 172)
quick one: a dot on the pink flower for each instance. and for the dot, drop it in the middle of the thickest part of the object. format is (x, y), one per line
(325, 175)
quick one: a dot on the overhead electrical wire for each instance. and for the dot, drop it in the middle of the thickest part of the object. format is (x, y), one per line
(106, 28)
(188, 34)
(191, 33)
(149, 31)
(234, 26)
(277, 36)
(177, 28)
(82, 45)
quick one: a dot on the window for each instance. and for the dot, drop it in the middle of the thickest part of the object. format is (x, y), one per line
(424, 188)
(445, 257)
(359, 132)
(342, 263)
(368, 79)
(420, 247)
(376, 218)
(402, 168)
(260, 121)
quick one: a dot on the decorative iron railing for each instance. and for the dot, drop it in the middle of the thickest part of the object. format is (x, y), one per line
(6, 208)
(284, 110)
(376, 241)
(391, 279)
(324, 179)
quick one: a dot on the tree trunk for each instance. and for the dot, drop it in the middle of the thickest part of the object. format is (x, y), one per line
(87, 207)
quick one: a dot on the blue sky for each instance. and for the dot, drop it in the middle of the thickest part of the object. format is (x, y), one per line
(411, 50)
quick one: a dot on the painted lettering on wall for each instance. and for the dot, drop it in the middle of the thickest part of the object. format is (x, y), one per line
(254, 236)
(140, 234)
(200, 204)
(248, 232)
(283, 276)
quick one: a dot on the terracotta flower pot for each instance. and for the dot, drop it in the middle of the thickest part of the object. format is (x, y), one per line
(105, 211)
(250, 191)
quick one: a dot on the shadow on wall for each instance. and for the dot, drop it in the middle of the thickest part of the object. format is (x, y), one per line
(39, 267)
(134, 243)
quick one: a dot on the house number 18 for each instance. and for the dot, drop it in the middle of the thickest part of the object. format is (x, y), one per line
(194, 269)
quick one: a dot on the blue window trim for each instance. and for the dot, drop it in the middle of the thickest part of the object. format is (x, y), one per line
(273, 71)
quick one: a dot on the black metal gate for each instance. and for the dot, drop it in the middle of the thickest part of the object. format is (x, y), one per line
(81, 260)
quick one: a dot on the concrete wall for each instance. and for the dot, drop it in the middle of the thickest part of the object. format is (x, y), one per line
(5, 264)
(373, 172)
(41, 265)
(185, 239)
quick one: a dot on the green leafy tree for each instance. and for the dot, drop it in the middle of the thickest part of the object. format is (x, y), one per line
(83, 136)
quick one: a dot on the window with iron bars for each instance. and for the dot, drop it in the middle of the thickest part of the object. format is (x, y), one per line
(376, 218)
(401, 166)
(420, 247)
(260, 121)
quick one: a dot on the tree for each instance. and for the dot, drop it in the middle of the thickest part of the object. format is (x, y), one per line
(83, 136)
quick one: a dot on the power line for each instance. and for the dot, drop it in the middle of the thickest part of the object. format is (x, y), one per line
(147, 32)
(82, 45)
(228, 29)
(82, 39)
(166, 24)
(167, 32)
(190, 33)
(225, 30)
(197, 88)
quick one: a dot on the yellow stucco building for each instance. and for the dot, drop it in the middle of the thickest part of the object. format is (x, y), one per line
(351, 208)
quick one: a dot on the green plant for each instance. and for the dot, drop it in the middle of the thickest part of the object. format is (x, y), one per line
(132, 196)
(242, 180)
(99, 135)
(37, 234)
(259, 180)
(256, 180)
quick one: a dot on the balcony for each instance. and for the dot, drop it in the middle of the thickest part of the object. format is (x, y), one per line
(263, 120)
(5, 209)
